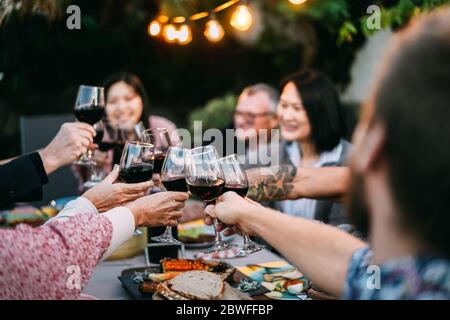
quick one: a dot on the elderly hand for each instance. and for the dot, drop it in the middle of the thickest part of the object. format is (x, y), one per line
(107, 194)
(229, 210)
(71, 141)
(158, 209)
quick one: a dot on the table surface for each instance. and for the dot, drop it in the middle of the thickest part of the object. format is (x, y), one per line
(105, 284)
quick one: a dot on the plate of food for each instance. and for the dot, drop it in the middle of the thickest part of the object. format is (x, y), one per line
(283, 280)
(184, 279)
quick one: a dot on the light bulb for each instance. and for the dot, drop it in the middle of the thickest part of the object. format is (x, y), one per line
(214, 31)
(242, 18)
(297, 1)
(154, 28)
(170, 33)
(184, 34)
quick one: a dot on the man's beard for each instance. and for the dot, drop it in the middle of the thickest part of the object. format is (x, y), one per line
(357, 207)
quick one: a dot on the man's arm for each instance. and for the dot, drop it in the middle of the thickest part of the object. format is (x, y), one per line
(288, 182)
(320, 251)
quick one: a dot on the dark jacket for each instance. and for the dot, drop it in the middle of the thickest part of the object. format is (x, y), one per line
(22, 179)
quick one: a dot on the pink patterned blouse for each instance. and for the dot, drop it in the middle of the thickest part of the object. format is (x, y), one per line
(54, 261)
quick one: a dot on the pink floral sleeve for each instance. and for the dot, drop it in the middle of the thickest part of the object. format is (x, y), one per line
(54, 261)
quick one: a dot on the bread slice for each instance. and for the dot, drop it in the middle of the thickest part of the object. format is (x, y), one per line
(198, 285)
(164, 291)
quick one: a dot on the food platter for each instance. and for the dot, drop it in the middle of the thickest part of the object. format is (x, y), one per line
(134, 285)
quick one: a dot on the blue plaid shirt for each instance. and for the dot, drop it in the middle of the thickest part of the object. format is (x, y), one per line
(420, 277)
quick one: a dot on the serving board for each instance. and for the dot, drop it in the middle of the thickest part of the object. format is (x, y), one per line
(231, 294)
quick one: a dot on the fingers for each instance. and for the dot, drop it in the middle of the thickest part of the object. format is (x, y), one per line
(86, 127)
(209, 221)
(175, 215)
(85, 137)
(137, 187)
(227, 196)
(113, 175)
(179, 196)
(221, 226)
(229, 232)
(132, 196)
(209, 210)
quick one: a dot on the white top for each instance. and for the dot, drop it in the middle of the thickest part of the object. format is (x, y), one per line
(121, 218)
(306, 208)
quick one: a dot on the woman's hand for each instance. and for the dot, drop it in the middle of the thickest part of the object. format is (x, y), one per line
(230, 210)
(107, 194)
(158, 209)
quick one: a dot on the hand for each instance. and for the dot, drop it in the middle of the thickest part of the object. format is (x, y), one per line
(158, 209)
(230, 209)
(71, 141)
(107, 194)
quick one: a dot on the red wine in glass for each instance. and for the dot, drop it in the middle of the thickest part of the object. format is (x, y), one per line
(159, 160)
(206, 189)
(136, 173)
(90, 113)
(99, 136)
(89, 108)
(240, 189)
(175, 184)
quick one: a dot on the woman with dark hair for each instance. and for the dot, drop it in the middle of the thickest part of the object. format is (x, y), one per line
(313, 129)
(127, 103)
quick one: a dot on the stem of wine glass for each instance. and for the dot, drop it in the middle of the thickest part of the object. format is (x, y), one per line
(168, 232)
(218, 237)
(247, 239)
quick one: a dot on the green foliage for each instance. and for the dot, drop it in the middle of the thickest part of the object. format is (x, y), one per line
(217, 113)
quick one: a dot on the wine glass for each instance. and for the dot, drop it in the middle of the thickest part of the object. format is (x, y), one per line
(205, 179)
(173, 179)
(236, 181)
(136, 164)
(89, 108)
(160, 138)
(96, 172)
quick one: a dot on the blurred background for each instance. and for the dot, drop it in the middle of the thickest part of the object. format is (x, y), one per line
(42, 62)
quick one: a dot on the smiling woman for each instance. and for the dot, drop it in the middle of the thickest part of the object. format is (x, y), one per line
(312, 125)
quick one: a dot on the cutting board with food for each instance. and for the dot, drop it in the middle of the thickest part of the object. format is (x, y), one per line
(283, 280)
(186, 279)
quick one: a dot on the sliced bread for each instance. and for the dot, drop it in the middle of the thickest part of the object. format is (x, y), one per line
(198, 285)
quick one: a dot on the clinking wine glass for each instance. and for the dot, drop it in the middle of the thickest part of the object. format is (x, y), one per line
(205, 179)
(89, 108)
(236, 181)
(160, 138)
(136, 164)
(173, 179)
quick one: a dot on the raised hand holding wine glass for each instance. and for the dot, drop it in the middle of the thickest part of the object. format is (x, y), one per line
(136, 164)
(173, 179)
(236, 181)
(89, 108)
(205, 179)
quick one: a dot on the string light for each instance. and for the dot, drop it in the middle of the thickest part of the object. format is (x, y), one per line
(154, 28)
(241, 18)
(214, 31)
(170, 33)
(184, 34)
(297, 2)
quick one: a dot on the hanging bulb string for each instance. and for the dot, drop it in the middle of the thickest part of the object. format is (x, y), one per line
(241, 20)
